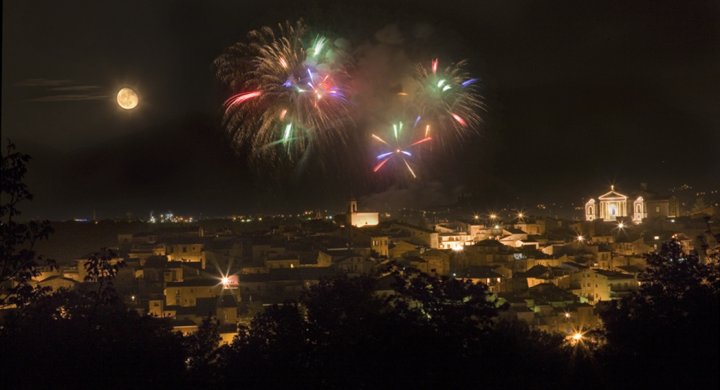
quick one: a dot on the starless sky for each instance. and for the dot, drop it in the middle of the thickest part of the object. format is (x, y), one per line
(580, 95)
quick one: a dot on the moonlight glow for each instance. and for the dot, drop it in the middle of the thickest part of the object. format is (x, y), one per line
(127, 99)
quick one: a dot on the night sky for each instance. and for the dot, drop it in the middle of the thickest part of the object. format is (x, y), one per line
(579, 95)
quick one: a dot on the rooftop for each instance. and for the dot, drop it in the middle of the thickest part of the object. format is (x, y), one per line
(613, 274)
(195, 283)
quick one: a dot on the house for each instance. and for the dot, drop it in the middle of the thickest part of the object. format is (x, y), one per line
(188, 292)
(603, 285)
(483, 275)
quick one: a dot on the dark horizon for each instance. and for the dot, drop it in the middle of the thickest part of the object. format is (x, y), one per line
(579, 96)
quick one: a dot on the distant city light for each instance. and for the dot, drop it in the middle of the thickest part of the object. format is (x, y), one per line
(567, 315)
(656, 238)
(493, 216)
(577, 337)
(621, 225)
(580, 238)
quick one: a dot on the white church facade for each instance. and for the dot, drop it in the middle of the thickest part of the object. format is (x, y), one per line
(613, 205)
(361, 219)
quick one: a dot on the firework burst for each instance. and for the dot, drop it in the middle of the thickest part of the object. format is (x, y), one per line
(397, 150)
(290, 91)
(447, 99)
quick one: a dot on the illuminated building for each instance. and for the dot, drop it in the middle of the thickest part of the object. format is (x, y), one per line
(189, 251)
(188, 292)
(419, 235)
(380, 245)
(358, 219)
(484, 275)
(613, 205)
(603, 285)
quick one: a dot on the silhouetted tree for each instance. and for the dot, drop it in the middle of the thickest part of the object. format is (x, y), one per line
(85, 337)
(101, 269)
(666, 334)
(18, 261)
(428, 333)
(273, 352)
(201, 349)
(69, 338)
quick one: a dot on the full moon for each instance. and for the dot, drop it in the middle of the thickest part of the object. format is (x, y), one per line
(127, 99)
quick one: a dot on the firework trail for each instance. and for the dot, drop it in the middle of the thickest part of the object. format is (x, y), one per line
(447, 100)
(397, 150)
(291, 92)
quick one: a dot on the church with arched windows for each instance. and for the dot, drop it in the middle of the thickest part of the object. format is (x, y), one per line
(613, 205)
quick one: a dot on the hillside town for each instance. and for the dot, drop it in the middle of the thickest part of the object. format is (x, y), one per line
(553, 274)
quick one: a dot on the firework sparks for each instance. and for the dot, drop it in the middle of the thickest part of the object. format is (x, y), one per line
(241, 98)
(397, 151)
(448, 98)
(291, 90)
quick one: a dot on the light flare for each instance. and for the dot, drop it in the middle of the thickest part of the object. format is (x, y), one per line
(241, 98)
(288, 131)
(319, 43)
(459, 120)
(410, 169)
(380, 165)
(380, 139)
(426, 139)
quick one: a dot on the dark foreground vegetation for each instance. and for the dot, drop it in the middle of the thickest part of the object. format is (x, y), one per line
(424, 332)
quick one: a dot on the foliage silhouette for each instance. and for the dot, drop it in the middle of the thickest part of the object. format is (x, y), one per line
(666, 334)
(18, 261)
